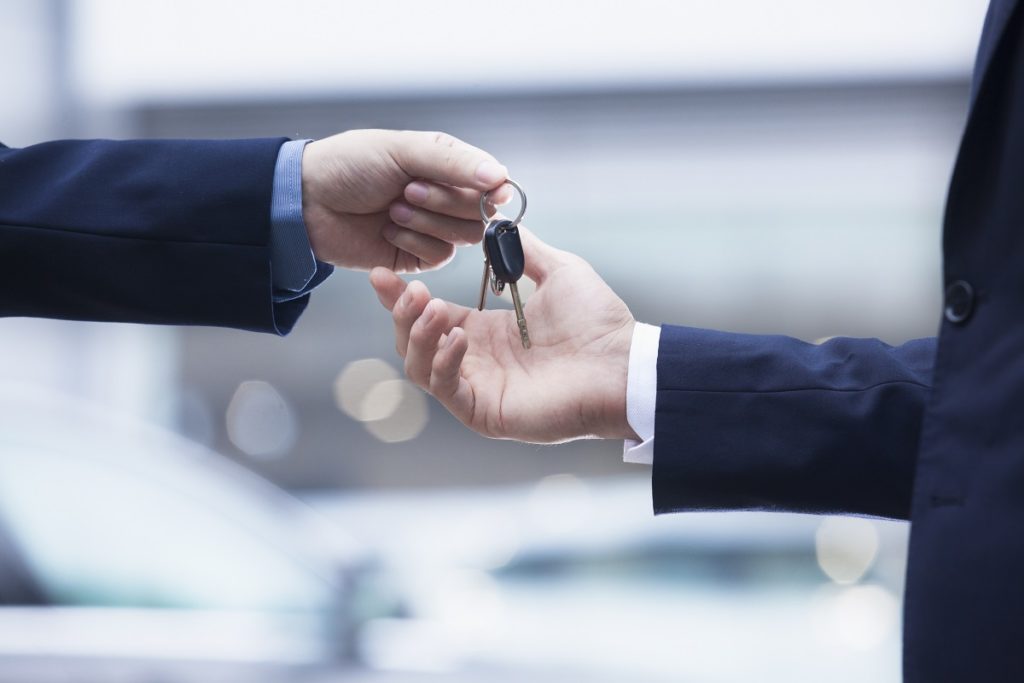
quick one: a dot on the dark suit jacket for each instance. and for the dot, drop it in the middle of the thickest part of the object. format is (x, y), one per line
(141, 231)
(931, 431)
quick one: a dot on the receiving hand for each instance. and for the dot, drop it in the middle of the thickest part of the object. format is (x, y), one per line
(570, 384)
(401, 199)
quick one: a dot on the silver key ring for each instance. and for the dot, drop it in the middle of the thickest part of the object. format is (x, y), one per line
(522, 209)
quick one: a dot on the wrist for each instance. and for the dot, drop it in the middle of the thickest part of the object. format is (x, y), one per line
(314, 212)
(611, 419)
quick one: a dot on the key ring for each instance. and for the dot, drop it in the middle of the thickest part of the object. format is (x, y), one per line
(522, 209)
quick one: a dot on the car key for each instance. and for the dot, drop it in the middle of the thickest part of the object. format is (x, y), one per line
(504, 261)
(507, 263)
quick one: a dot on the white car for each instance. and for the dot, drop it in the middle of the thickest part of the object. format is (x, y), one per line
(130, 553)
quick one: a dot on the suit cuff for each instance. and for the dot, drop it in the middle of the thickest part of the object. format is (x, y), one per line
(642, 393)
(294, 269)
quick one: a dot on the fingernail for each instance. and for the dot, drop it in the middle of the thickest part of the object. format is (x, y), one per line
(417, 192)
(401, 213)
(390, 231)
(491, 173)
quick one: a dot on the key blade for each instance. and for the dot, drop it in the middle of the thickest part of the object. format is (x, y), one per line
(483, 285)
(524, 334)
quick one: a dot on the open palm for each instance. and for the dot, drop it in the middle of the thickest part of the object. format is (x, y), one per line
(571, 383)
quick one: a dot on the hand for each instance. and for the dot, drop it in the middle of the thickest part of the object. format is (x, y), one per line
(570, 384)
(402, 199)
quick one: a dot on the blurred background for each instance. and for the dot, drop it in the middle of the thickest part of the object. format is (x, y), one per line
(201, 504)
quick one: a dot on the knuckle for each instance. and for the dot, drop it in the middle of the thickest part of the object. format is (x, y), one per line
(440, 382)
(449, 148)
(419, 335)
(407, 322)
(402, 315)
(444, 139)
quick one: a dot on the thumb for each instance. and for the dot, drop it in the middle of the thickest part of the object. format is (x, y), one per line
(446, 159)
(541, 257)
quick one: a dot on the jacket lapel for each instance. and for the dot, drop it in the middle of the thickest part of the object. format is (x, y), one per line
(999, 12)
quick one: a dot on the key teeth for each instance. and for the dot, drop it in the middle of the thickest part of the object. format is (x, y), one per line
(524, 335)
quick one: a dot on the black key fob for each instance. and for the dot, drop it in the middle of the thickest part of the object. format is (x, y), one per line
(504, 250)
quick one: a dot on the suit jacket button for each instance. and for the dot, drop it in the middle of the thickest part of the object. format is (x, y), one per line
(959, 302)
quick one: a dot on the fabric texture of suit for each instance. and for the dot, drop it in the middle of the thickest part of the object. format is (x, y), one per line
(174, 232)
(929, 431)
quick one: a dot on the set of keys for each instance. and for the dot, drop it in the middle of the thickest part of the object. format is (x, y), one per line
(504, 261)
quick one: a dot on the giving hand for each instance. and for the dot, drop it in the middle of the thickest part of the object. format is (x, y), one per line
(401, 199)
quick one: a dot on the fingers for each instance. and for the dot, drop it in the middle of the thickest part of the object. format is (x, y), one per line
(446, 159)
(424, 335)
(458, 202)
(541, 257)
(430, 251)
(424, 338)
(391, 291)
(456, 231)
(406, 311)
(450, 214)
(446, 381)
(387, 285)
(434, 359)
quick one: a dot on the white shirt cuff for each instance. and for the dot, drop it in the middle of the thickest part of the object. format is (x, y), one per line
(642, 393)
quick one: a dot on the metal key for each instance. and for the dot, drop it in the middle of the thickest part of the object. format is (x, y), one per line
(504, 261)
(507, 263)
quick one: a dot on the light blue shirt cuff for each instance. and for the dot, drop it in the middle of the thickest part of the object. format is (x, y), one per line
(294, 269)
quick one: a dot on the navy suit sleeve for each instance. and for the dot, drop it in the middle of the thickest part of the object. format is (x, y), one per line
(755, 422)
(171, 231)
